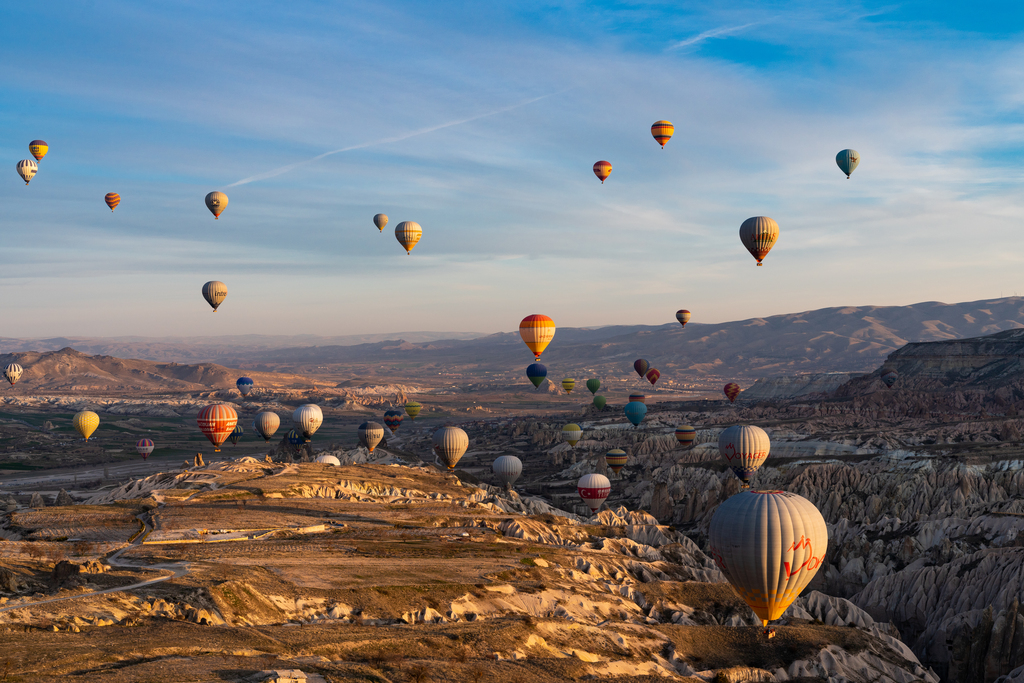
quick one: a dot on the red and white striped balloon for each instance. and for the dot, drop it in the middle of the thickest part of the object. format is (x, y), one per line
(594, 490)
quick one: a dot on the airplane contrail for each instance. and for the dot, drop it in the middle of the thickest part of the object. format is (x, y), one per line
(713, 33)
(384, 141)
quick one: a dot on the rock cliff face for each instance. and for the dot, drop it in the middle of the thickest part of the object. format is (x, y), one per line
(790, 386)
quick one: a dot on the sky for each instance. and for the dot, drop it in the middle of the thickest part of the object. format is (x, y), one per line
(481, 122)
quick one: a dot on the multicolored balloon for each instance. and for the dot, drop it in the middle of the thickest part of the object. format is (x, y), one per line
(593, 385)
(662, 132)
(593, 489)
(370, 434)
(450, 444)
(85, 423)
(616, 459)
(889, 377)
(572, 433)
(412, 409)
(641, 366)
(683, 316)
(652, 375)
(393, 420)
(568, 384)
(600, 402)
(602, 170)
(38, 149)
(236, 434)
(12, 373)
(537, 332)
(307, 419)
(847, 161)
(380, 220)
(216, 202)
(638, 397)
(536, 373)
(769, 545)
(745, 448)
(266, 424)
(635, 411)
(217, 421)
(112, 199)
(507, 468)
(215, 292)
(686, 435)
(408, 233)
(731, 391)
(294, 438)
(244, 385)
(758, 235)
(27, 169)
(145, 447)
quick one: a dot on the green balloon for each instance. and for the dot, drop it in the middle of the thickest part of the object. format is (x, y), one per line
(593, 385)
(600, 402)
(537, 380)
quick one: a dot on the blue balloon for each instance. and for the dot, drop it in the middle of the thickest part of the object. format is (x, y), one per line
(294, 438)
(536, 372)
(244, 385)
(635, 411)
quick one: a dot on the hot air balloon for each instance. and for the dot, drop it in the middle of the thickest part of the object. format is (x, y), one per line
(508, 468)
(759, 235)
(145, 447)
(638, 397)
(244, 385)
(572, 433)
(27, 169)
(686, 435)
(450, 444)
(662, 132)
(408, 233)
(266, 424)
(38, 149)
(380, 220)
(744, 448)
(393, 420)
(236, 434)
(536, 373)
(600, 402)
(602, 170)
(537, 332)
(112, 199)
(328, 460)
(85, 423)
(412, 409)
(216, 202)
(370, 434)
(652, 375)
(635, 411)
(769, 545)
(593, 385)
(12, 373)
(616, 459)
(594, 490)
(889, 377)
(215, 292)
(731, 391)
(848, 160)
(641, 366)
(568, 384)
(294, 438)
(683, 316)
(217, 421)
(307, 419)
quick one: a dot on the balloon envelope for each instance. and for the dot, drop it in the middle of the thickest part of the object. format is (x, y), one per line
(393, 420)
(266, 424)
(328, 460)
(731, 391)
(112, 199)
(769, 545)
(380, 220)
(641, 366)
(216, 202)
(683, 316)
(594, 490)
(145, 447)
(408, 233)
(508, 468)
(593, 385)
(412, 409)
(744, 448)
(236, 434)
(616, 459)
(600, 402)
(602, 170)
(215, 292)
(27, 169)
(370, 434)
(536, 373)
(638, 397)
(307, 419)
(38, 149)
(652, 375)
(85, 423)
(537, 332)
(572, 433)
(568, 384)
(635, 412)
(662, 132)
(294, 438)
(847, 161)
(759, 235)
(450, 444)
(244, 385)
(217, 421)
(12, 373)
(889, 377)
(686, 435)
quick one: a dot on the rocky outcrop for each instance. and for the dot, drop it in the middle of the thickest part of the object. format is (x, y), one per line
(791, 386)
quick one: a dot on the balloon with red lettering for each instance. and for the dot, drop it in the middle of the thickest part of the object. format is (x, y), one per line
(217, 421)
(594, 490)
(744, 448)
(769, 545)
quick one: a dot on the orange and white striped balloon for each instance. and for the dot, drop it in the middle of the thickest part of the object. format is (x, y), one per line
(408, 233)
(537, 332)
(217, 421)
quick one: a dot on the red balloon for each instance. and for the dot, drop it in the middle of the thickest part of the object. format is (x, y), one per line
(653, 375)
(217, 422)
(732, 390)
(602, 170)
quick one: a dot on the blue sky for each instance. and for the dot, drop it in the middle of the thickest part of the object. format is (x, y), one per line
(163, 103)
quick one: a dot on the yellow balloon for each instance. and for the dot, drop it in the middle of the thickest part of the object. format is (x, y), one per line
(86, 422)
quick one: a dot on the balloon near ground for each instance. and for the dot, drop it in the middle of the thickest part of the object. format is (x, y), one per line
(600, 402)
(572, 433)
(745, 448)
(236, 434)
(370, 434)
(759, 234)
(889, 377)
(686, 435)
(847, 160)
(602, 169)
(641, 366)
(408, 233)
(537, 331)
(662, 132)
(652, 375)
(636, 396)
(769, 545)
(593, 489)
(145, 447)
(215, 292)
(38, 149)
(393, 419)
(27, 169)
(328, 460)
(244, 385)
(85, 423)
(216, 202)
(683, 316)
(216, 422)
(616, 459)
(635, 411)
(450, 444)
(12, 373)
(536, 373)
(412, 409)
(307, 419)
(507, 468)
(380, 220)
(112, 199)
(266, 424)
(568, 384)
(731, 391)
(294, 438)
(593, 385)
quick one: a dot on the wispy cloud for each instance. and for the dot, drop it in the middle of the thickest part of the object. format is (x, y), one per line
(383, 141)
(711, 33)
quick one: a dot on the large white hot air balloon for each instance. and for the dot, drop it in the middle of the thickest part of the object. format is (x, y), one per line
(12, 373)
(594, 490)
(508, 468)
(328, 460)
(769, 545)
(744, 448)
(450, 444)
(307, 419)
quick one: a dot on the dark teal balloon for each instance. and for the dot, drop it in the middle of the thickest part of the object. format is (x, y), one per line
(235, 435)
(536, 372)
(635, 411)
(600, 402)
